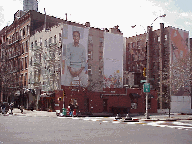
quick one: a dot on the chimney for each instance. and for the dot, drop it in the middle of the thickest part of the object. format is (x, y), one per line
(87, 24)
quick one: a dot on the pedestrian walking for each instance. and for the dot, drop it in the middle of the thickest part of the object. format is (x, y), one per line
(77, 108)
(3, 108)
(11, 107)
(21, 108)
(71, 108)
(0, 106)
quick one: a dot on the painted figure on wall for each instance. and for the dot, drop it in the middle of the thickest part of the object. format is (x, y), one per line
(75, 61)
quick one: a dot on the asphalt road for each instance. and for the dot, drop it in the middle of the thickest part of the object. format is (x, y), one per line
(25, 129)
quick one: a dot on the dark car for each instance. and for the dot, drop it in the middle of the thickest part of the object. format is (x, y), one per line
(6, 104)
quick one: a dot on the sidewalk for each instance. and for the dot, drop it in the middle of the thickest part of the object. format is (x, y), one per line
(17, 112)
(136, 116)
(164, 117)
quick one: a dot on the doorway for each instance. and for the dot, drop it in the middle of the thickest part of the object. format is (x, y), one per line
(105, 105)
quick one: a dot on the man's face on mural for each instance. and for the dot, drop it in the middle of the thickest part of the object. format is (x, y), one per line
(76, 37)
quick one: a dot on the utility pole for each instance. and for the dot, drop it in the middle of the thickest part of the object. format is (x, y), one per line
(147, 72)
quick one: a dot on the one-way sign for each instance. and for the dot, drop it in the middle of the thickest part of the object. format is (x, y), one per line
(146, 87)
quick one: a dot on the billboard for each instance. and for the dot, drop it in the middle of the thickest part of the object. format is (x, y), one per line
(74, 56)
(113, 60)
(179, 59)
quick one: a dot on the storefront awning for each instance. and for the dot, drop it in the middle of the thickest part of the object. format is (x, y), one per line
(134, 95)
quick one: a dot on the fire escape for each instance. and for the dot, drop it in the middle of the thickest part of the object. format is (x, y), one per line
(46, 67)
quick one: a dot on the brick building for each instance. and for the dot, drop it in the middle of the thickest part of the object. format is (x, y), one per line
(30, 55)
(14, 48)
(166, 46)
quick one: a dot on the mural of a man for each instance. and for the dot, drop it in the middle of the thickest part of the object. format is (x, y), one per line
(75, 61)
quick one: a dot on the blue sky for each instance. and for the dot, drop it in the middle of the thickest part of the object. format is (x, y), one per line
(107, 13)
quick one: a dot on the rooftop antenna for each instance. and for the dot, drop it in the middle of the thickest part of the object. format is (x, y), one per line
(66, 16)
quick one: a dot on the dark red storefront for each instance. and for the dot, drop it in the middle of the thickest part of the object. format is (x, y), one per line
(116, 100)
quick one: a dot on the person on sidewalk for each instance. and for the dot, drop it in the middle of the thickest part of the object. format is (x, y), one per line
(21, 108)
(71, 109)
(11, 107)
(3, 108)
(77, 108)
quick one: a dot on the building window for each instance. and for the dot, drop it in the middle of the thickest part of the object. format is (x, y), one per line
(26, 46)
(134, 45)
(36, 43)
(89, 70)
(32, 45)
(20, 33)
(100, 71)
(129, 45)
(50, 40)
(165, 37)
(25, 79)
(31, 61)
(45, 43)
(158, 38)
(40, 57)
(138, 44)
(55, 38)
(22, 48)
(40, 41)
(89, 55)
(90, 39)
(21, 80)
(24, 31)
(101, 42)
(60, 38)
(21, 66)
(25, 62)
(133, 57)
(28, 29)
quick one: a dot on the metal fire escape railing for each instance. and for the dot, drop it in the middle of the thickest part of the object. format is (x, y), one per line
(46, 67)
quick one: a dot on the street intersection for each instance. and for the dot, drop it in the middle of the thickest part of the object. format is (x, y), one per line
(46, 127)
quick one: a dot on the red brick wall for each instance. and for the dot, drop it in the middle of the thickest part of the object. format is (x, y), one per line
(114, 100)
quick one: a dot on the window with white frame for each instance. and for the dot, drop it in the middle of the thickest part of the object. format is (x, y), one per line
(89, 70)
(35, 42)
(40, 41)
(31, 45)
(45, 44)
(165, 37)
(60, 38)
(26, 44)
(55, 39)
(89, 55)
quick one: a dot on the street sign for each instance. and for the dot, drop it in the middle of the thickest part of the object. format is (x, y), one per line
(143, 81)
(146, 87)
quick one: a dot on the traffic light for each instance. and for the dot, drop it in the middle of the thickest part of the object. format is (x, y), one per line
(144, 72)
